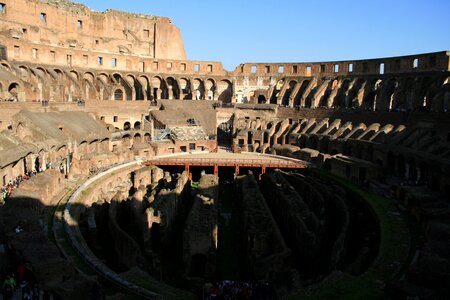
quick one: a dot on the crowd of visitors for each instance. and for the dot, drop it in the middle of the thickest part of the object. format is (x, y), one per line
(13, 184)
(19, 283)
(236, 290)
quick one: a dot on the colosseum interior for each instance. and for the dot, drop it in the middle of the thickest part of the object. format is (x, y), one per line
(128, 171)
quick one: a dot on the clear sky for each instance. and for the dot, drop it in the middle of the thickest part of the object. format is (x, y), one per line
(241, 31)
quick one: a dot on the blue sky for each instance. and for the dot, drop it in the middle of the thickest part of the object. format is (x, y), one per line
(240, 31)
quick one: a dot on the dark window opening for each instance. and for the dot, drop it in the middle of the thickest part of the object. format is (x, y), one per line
(43, 17)
(2, 8)
(322, 68)
(191, 146)
(100, 60)
(294, 69)
(79, 24)
(115, 118)
(267, 69)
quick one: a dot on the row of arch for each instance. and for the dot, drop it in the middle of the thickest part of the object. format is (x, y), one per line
(410, 168)
(423, 93)
(58, 84)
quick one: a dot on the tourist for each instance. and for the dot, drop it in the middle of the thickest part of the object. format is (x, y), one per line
(8, 287)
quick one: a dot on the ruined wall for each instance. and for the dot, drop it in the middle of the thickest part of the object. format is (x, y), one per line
(59, 29)
(401, 64)
(266, 250)
(168, 203)
(291, 211)
(200, 233)
(349, 147)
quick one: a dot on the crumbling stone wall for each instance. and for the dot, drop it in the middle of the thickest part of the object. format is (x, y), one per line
(200, 234)
(168, 203)
(265, 247)
(291, 211)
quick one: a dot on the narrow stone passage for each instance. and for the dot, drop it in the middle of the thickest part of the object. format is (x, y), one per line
(230, 260)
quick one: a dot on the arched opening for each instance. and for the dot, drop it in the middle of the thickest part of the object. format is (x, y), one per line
(118, 95)
(37, 164)
(353, 97)
(389, 96)
(137, 138)
(249, 137)
(146, 90)
(157, 91)
(262, 99)
(13, 90)
(276, 91)
(210, 88)
(185, 90)
(199, 89)
(225, 90)
(147, 137)
(300, 95)
(137, 125)
(341, 99)
(371, 93)
(224, 134)
(173, 90)
(265, 137)
(126, 88)
(288, 92)
(126, 126)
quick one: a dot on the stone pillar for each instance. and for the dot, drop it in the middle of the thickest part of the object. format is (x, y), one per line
(170, 91)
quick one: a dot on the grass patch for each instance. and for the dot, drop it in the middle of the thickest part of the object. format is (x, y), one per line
(394, 254)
